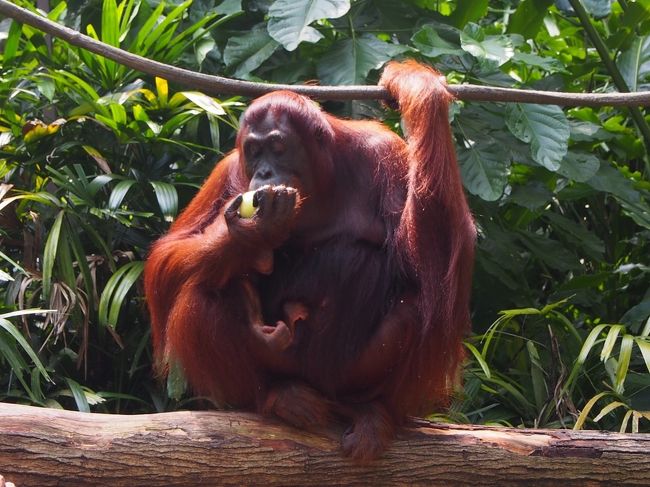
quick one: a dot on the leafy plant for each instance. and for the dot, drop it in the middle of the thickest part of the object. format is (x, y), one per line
(97, 161)
(83, 197)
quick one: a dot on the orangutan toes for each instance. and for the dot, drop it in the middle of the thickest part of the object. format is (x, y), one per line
(298, 405)
(369, 435)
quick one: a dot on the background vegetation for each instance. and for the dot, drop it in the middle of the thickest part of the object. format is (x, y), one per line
(96, 161)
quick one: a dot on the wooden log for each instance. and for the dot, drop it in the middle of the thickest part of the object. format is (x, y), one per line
(44, 447)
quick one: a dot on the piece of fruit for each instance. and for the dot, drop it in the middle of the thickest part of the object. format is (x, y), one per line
(246, 209)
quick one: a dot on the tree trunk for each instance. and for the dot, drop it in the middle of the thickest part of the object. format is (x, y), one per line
(43, 447)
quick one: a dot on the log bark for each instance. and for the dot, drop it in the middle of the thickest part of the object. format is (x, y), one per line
(44, 447)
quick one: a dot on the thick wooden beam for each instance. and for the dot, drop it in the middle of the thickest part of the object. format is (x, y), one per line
(43, 447)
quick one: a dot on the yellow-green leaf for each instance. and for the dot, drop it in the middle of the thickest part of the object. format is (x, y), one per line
(163, 91)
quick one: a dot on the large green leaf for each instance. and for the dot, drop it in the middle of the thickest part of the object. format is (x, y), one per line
(549, 64)
(612, 181)
(79, 395)
(577, 234)
(430, 44)
(634, 63)
(290, 20)
(167, 199)
(50, 252)
(119, 192)
(636, 17)
(110, 33)
(115, 292)
(624, 356)
(20, 339)
(537, 370)
(484, 167)
(12, 41)
(529, 17)
(598, 8)
(579, 166)
(533, 195)
(207, 103)
(551, 252)
(246, 52)
(466, 12)
(349, 61)
(497, 48)
(229, 7)
(545, 127)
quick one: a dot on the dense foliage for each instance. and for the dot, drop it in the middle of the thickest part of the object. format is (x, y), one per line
(96, 160)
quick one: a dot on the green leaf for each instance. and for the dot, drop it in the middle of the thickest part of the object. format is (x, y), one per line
(17, 365)
(537, 375)
(50, 252)
(13, 263)
(167, 199)
(119, 192)
(598, 8)
(245, 53)
(579, 166)
(77, 84)
(146, 31)
(177, 121)
(101, 162)
(430, 44)
(589, 343)
(466, 12)
(82, 262)
(548, 64)
(577, 234)
(110, 24)
(545, 127)
(646, 329)
(290, 20)
(20, 339)
(349, 61)
(118, 112)
(110, 34)
(497, 48)
(638, 313)
(229, 7)
(551, 252)
(587, 409)
(79, 395)
(623, 362)
(64, 263)
(12, 42)
(608, 409)
(160, 36)
(511, 388)
(480, 359)
(529, 17)
(533, 195)
(625, 420)
(644, 347)
(611, 180)
(116, 290)
(43, 197)
(610, 341)
(634, 62)
(636, 15)
(207, 103)
(484, 167)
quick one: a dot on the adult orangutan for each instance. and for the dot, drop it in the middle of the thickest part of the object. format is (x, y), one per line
(347, 292)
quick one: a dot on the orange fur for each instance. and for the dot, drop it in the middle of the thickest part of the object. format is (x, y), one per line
(377, 261)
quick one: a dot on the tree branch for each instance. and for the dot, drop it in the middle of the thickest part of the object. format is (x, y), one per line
(219, 85)
(47, 447)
